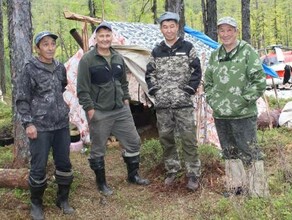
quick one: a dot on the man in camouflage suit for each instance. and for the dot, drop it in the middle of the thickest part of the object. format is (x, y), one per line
(173, 76)
(234, 80)
(44, 115)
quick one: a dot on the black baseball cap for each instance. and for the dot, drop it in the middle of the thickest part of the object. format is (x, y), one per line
(43, 34)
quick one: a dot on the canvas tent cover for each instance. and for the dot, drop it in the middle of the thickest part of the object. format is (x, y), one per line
(135, 42)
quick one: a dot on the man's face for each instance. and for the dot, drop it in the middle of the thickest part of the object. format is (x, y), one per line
(46, 49)
(104, 38)
(169, 30)
(227, 34)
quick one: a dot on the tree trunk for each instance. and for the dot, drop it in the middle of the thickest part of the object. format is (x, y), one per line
(204, 15)
(20, 41)
(2, 55)
(91, 6)
(14, 178)
(209, 9)
(177, 6)
(154, 11)
(245, 21)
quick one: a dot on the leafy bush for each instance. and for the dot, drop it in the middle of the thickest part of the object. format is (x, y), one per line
(151, 152)
(209, 152)
(5, 120)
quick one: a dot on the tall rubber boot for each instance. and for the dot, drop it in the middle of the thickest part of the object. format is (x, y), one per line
(36, 197)
(64, 181)
(62, 199)
(98, 166)
(133, 167)
(236, 178)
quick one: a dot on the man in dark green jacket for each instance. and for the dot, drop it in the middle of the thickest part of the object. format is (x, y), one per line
(102, 89)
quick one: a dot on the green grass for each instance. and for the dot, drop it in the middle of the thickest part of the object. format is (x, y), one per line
(6, 156)
(274, 103)
(276, 144)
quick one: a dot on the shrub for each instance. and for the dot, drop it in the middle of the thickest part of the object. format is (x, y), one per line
(151, 152)
(5, 120)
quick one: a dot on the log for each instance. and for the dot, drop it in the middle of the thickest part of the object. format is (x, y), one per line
(77, 17)
(14, 178)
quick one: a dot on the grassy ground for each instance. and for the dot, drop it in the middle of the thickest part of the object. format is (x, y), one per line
(157, 201)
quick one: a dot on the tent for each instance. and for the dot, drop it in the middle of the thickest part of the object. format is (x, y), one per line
(135, 42)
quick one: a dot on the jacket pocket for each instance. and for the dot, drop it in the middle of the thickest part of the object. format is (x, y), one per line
(117, 70)
(99, 75)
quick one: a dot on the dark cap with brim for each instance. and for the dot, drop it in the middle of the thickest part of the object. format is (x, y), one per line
(103, 25)
(168, 16)
(43, 34)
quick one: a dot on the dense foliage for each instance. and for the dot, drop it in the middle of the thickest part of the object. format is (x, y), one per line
(271, 20)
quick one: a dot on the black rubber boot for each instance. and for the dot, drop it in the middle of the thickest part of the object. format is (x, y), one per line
(64, 180)
(133, 167)
(101, 183)
(62, 199)
(36, 197)
(98, 166)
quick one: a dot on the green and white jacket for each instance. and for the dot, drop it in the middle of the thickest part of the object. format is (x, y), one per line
(234, 81)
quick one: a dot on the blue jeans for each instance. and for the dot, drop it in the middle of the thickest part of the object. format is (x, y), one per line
(40, 147)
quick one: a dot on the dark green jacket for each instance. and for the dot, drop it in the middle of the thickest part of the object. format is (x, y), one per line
(100, 85)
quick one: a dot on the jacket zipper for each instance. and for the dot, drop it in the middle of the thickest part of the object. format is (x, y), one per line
(113, 81)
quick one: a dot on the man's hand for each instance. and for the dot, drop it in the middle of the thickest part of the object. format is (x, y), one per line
(90, 113)
(31, 132)
(126, 102)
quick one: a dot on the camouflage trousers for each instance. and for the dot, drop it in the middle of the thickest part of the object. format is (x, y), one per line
(238, 139)
(179, 121)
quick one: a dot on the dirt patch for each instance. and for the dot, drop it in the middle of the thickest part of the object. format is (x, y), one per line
(129, 201)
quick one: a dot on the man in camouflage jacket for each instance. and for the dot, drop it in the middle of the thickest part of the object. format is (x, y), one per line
(173, 76)
(44, 115)
(234, 80)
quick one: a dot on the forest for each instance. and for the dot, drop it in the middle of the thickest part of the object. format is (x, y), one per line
(271, 20)
(270, 24)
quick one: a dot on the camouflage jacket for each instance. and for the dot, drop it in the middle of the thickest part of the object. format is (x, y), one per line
(234, 81)
(101, 85)
(39, 98)
(173, 74)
